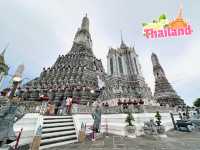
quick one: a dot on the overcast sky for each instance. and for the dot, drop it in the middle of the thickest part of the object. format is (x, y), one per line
(39, 30)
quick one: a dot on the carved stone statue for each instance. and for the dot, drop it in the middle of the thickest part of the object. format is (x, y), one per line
(150, 128)
(96, 115)
(8, 115)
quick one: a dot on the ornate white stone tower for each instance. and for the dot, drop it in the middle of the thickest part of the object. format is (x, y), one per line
(125, 75)
(123, 61)
(83, 35)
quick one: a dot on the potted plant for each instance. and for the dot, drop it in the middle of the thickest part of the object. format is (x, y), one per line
(158, 118)
(130, 127)
(160, 128)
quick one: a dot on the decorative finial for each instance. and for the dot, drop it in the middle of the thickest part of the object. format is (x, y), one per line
(121, 37)
(123, 45)
(86, 15)
(180, 11)
(4, 50)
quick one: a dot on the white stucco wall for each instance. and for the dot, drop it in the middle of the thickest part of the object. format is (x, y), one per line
(116, 122)
(30, 122)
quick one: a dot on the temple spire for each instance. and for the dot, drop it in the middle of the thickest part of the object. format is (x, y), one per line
(121, 37)
(180, 11)
(4, 50)
(164, 92)
(85, 23)
(83, 36)
(123, 45)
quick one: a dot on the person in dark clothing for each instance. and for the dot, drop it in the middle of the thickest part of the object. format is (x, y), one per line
(135, 103)
(57, 108)
(125, 105)
(106, 105)
(130, 102)
(119, 103)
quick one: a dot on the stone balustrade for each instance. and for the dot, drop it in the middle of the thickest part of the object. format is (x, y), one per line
(39, 107)
(29, 106)
(83, 109)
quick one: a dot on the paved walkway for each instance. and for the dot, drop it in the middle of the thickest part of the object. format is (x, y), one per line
(175, 141)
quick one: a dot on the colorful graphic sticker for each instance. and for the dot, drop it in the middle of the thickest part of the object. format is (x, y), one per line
(162, 27)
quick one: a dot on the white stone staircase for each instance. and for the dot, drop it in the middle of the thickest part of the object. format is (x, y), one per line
(57, 131)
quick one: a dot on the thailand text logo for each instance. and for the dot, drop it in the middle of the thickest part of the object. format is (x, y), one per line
(164, 28)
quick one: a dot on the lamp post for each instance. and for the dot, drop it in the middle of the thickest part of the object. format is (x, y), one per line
(17, 78)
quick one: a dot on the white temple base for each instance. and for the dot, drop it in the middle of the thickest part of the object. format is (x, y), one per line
(115, 123)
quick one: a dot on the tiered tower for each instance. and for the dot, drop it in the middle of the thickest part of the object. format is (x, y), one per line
(125, 75)
(178, 22)
(164, 92)
(79, 73)
(75, 74)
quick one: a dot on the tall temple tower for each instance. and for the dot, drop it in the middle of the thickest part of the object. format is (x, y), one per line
(164, 92)
(125, 75)
(75, 74)
(123, 61)
(79, 73)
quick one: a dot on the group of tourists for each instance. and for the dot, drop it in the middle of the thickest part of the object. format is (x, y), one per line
(59, 108)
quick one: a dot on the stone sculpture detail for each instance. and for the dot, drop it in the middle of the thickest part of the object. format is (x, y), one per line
(96, 115)
(9, 114)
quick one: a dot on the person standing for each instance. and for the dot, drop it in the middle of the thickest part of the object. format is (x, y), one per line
(78, 101)
(106, 105)
(58, 108)
(68, 104)
(125, 105)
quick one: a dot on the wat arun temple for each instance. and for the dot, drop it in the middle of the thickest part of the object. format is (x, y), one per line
(81, 75)
(75, 101)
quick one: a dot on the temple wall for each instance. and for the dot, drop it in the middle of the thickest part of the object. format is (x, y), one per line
(116, 122)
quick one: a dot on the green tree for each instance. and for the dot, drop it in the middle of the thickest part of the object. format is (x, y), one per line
(197, 102)
(129, 119)
(163, 16)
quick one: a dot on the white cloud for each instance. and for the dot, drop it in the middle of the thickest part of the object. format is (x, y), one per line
(186, 67)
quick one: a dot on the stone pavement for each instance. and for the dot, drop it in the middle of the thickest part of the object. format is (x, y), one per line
(175, 141)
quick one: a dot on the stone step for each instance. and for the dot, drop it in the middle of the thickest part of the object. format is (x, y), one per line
(57, 131)
(57, 144)
(57, 120)
(61, 133)
(46, 130)
(52, 125)
(57, 139)
(56, 117)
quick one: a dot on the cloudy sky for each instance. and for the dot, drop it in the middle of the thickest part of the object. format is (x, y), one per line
(39, 30)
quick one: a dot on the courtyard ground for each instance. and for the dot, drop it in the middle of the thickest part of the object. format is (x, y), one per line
(175, 141)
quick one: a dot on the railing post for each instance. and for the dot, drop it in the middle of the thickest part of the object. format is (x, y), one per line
(173, 121)
(17, 140)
